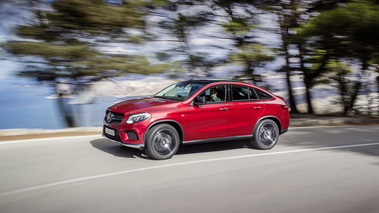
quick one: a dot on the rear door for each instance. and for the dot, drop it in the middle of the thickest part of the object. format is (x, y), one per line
(245, 109)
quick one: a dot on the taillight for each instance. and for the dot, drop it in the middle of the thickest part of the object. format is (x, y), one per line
(284, 106)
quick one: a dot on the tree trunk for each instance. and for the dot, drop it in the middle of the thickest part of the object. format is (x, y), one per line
(343, 92)
(354, 96)
(308, 98)
(284, 33)
(291, 97)
(67, 116)
(356, 88)
(307, 81)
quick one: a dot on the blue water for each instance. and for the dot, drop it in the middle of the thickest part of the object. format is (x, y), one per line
(25, 105)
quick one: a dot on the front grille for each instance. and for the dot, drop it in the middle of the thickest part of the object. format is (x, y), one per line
(113, 117)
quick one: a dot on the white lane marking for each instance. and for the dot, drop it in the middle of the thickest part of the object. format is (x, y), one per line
(177, 164)
(48, 139)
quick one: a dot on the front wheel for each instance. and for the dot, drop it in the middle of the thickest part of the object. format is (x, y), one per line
(162, 142)
(265, 135)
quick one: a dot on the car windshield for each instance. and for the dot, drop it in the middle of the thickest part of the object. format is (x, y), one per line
(179, 91)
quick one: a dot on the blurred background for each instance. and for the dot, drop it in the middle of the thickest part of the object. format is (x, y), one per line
(63, 62)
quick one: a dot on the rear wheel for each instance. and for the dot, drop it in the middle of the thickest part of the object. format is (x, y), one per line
(162, 142)
(265, 135)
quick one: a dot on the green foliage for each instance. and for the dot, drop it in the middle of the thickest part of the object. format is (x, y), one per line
(66, 37)
(252, 53)
(180, 28)
(237, 21)
(349, 31)
(96, 16)
(238, 26)
(51, 51)
(338, 73)
(251, 56)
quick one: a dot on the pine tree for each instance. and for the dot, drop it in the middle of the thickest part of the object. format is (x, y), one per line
(65, 39)
(348, 32)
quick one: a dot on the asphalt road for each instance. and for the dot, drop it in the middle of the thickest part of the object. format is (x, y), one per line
(319, 169)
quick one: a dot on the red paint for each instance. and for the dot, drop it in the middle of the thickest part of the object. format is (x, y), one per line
(201, 121)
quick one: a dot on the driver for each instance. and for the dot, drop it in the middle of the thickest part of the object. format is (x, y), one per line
(214, 95)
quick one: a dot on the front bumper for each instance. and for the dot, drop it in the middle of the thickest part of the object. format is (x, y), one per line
(122, 137)
(135, 146)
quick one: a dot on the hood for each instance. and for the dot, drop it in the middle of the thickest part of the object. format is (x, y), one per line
(138, 104)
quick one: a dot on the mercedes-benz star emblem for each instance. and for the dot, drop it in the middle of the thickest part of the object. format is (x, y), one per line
(110, 117)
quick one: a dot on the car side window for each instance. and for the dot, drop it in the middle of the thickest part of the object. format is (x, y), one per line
(240, 93)
(263, 95)
(253, 94)
(215, 94)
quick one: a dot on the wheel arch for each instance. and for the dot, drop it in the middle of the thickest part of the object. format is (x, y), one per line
(173, 123)
(270, 117)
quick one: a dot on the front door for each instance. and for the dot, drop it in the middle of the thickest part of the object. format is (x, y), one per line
(210, 119)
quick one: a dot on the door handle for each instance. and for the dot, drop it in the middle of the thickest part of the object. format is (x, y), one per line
(223, 108)
(257, 107)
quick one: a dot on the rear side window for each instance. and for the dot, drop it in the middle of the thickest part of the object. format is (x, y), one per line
(253, 94)
(263, 95)
(240, 93)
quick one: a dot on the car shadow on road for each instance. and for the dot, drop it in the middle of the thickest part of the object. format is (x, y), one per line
(115, 149)
(213, 146)
(120, 151)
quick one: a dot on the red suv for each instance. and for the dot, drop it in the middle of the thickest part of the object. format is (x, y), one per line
(197, 111)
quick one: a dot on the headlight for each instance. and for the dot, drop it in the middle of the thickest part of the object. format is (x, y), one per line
(138, 117)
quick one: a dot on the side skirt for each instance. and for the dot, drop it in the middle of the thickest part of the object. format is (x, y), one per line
(283, 131)
(218, 139)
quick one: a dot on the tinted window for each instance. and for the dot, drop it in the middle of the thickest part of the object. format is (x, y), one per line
(253, 95)
(262, 95)
(240, 93)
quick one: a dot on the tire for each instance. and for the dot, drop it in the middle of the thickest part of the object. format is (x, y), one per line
(162, 142)
(265, 135)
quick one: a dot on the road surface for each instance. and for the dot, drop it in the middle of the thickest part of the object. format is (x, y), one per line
(318, 169)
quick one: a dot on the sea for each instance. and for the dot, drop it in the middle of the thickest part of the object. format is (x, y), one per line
(26, 104)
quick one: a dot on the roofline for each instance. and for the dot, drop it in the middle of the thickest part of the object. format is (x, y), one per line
(214, 81)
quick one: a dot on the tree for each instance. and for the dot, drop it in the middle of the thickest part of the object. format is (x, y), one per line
(180, 26)
(290, 16)
(65, 41)
(251, 56)
(349, 32)
(235, 22)
(239, 20)
(14, 12)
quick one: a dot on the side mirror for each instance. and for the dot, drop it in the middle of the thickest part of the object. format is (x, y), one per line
(199, 101)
